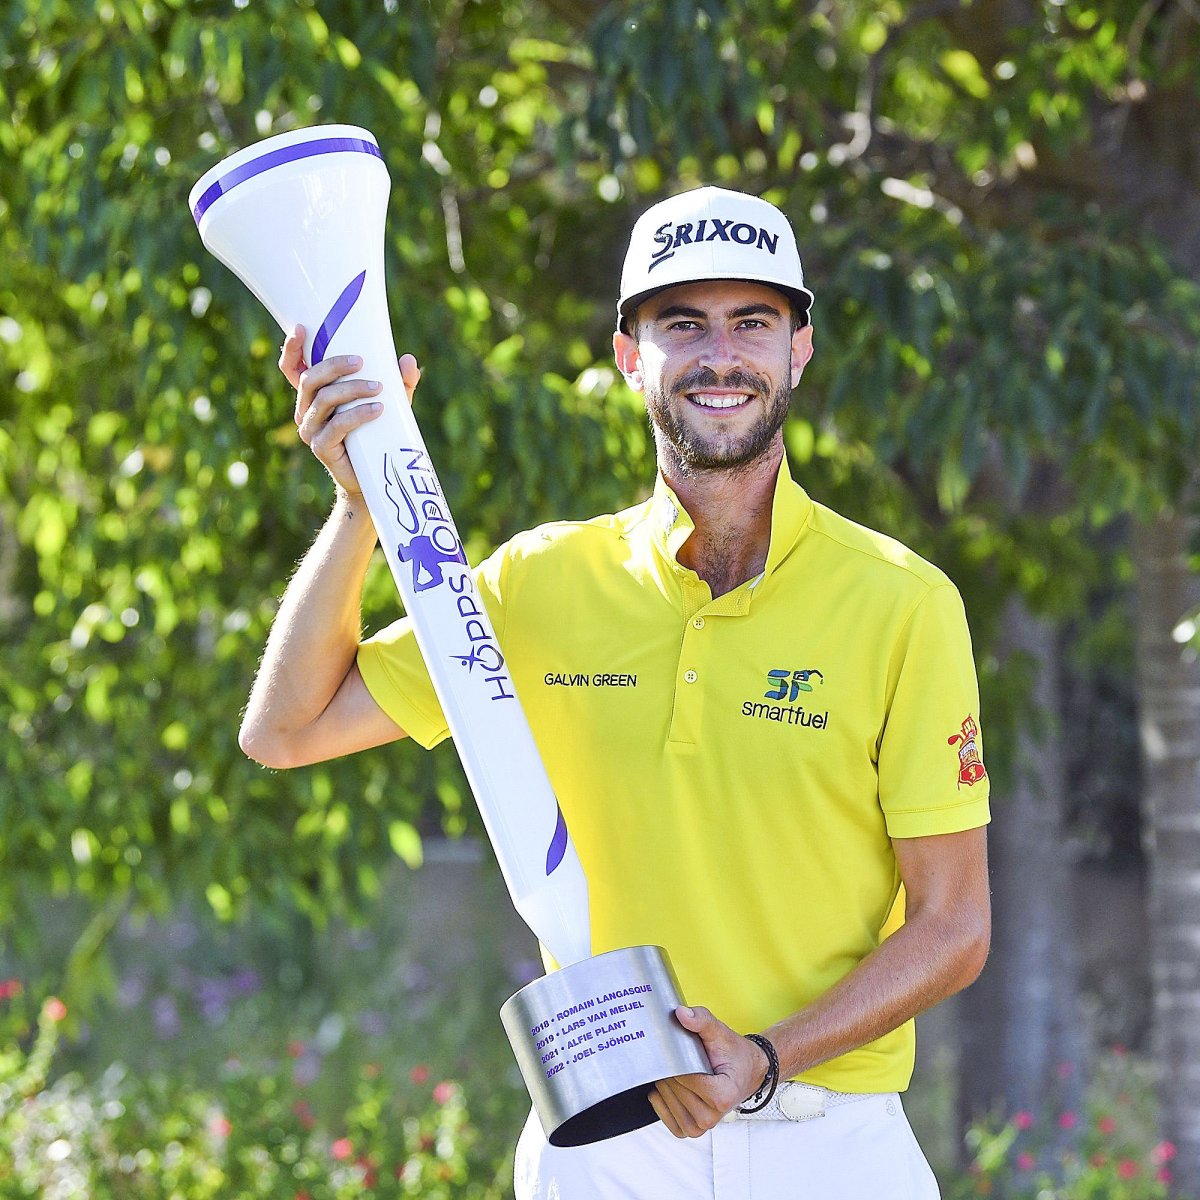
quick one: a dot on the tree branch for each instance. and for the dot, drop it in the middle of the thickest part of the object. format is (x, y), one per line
(1141, 155)
(869, 88)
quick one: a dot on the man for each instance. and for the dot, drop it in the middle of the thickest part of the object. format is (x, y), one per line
(759, 718)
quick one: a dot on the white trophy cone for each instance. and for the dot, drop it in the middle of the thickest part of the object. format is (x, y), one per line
(299, 218)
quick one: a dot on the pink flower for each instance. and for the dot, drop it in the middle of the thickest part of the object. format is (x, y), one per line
(220, 1126)
(1163, 1175)
(1120, 1051)
(341, 1149)
(10, 988)
(1106, 1125)
(1067, 1120)
(443, 1091)
(1023, 1119)
(419, 1074)
(370, 1174)
(1163, 1152)
(1063, 1070)
(1127, 1168)
(1024, 1161)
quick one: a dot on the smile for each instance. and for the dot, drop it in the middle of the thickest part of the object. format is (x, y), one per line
(719, 399)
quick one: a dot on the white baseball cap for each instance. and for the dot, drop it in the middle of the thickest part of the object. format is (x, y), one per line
(710, 233)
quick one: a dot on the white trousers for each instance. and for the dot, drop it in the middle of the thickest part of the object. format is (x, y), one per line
(860, 1151)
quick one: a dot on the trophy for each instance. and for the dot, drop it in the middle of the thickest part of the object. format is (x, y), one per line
(299, 218)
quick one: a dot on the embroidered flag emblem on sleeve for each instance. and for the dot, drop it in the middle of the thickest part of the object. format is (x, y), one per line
(970, 761)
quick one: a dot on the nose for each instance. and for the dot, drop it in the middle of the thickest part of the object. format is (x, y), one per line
(718, 351)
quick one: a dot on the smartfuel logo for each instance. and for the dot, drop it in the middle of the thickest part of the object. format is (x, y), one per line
(786, 686)
(433, 550)
(796, 681)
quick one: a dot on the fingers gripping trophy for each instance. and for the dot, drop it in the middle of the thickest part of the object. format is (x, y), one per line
(299, 218)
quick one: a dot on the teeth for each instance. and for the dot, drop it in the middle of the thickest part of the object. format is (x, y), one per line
(711, 401)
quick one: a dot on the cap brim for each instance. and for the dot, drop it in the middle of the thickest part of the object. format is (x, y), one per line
(800, 296)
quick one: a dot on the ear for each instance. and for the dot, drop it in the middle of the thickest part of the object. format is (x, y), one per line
(629, 359)
(802, 351)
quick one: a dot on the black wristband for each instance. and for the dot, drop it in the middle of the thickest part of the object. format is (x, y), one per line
(766, 1090)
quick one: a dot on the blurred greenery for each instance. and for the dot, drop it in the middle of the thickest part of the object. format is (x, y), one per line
(253, 1138)
(1114, 1153)
(996, 215)
(270, 1059)
(991, 393)
(154, 495)
(261, 1126)
(293, 1036)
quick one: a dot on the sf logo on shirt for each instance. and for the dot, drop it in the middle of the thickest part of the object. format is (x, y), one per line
(797, 683)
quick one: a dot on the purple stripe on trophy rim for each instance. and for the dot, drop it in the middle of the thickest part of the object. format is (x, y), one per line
(558, 843)
(337, 314)
(277, 158)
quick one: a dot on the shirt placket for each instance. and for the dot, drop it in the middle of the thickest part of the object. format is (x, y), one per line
(699, 656)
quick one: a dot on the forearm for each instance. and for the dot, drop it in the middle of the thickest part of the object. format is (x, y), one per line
(921, 964)
(314, 638)
(941, 948)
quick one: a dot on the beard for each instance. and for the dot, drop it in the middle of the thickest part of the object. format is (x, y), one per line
(716, 449)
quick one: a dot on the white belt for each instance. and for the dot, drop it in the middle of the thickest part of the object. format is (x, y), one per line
(798, 1102)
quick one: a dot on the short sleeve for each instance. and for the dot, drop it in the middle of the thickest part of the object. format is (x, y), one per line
(392, 667)
(931, 774)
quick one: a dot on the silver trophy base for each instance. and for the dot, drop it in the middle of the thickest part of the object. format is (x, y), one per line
(591, 1038)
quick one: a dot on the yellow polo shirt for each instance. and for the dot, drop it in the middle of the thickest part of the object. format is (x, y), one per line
(731, 770)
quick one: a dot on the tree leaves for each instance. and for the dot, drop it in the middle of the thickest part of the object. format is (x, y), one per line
(149, 508)
(153, 497)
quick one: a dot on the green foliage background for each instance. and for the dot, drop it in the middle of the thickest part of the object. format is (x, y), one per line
(1000, 372)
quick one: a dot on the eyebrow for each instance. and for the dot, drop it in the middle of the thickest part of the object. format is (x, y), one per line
(747, 310)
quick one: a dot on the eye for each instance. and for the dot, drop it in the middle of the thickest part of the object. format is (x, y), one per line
(684, 325)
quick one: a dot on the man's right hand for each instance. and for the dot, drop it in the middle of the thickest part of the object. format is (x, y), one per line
(320, 390)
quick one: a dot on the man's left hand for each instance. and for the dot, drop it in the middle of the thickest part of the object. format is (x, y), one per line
(691, 1105)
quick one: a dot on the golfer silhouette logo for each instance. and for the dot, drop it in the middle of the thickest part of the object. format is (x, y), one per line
(429, 552)
(485, 656)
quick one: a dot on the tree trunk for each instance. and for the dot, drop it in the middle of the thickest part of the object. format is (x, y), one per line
(1169, 697)
(1020, 1025)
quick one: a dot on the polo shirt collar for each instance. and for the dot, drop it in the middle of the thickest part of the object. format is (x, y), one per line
(791, 509)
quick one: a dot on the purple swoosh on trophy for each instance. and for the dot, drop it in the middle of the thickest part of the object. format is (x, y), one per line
(276, 158)
(390, 476)
(558, 843)
(337, 314)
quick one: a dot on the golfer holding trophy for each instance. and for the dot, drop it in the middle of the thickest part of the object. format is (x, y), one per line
(749, 724)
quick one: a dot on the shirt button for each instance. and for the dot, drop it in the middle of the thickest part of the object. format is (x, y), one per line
(690, 676)
(697, 622)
